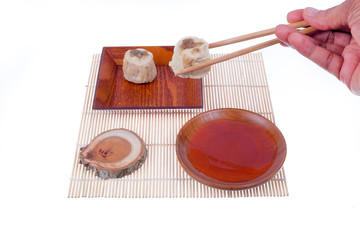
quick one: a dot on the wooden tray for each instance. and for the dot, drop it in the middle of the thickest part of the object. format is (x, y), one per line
(113, 91)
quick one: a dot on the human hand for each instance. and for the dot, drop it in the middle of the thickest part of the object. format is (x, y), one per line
(336, 47)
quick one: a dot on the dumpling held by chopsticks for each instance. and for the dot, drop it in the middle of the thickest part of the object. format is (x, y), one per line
(188, 52)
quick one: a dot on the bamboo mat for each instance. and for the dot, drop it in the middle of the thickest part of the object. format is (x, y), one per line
(237, 83)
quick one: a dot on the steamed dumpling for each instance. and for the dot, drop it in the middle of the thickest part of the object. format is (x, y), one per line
(190, 51)
(139, 66)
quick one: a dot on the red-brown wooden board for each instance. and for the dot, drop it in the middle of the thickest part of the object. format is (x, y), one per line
(113, 91)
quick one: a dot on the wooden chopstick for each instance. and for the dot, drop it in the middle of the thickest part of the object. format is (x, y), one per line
(254, 35)
(239, 53)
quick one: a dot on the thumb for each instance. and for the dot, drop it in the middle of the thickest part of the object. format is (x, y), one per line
(334, 18)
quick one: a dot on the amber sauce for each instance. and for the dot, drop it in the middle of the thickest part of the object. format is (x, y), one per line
(231, 151)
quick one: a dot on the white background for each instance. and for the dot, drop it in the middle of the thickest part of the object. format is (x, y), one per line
(46, 49)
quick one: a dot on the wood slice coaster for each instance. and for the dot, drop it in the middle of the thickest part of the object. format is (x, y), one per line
(114, 153)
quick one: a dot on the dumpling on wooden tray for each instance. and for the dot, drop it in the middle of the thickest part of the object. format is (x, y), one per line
(139, 66)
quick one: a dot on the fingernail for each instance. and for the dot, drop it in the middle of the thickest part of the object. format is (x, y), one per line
(310, 11)
(286, 43)
(355, 87)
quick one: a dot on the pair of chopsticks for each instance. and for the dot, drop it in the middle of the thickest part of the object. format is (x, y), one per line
(242, 38)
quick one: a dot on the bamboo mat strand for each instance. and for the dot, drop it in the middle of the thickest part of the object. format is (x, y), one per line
(237, 83)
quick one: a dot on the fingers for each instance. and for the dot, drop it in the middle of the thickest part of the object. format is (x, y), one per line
(335, 38)
(295, 16)
(343, 17)
(337, 52)
(332, 41)
(321, 56)
(311, 48)
(282, 32)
